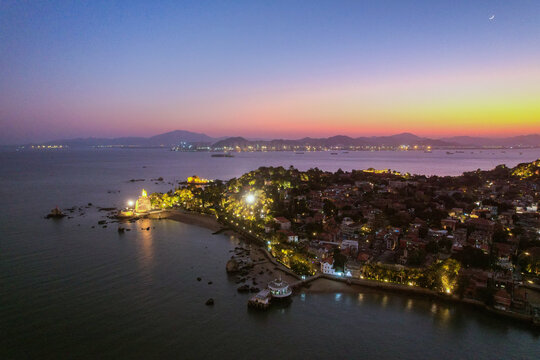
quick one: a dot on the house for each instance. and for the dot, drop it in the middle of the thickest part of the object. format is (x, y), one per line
(290, 236)
(449, 224)
(391, 240)
(352, 230)
(284, 224)
(504, 252)
(353, 269)
(363, 256)
(327, 266)
(349, 244)
(482, 224)
(478, 281)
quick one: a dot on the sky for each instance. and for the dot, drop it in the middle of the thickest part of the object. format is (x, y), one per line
(268, 69)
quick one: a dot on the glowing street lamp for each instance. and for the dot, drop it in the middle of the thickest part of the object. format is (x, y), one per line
(130, 203)
(250, 198)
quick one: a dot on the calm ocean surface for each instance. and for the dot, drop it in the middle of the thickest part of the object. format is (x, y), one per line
(68, 290)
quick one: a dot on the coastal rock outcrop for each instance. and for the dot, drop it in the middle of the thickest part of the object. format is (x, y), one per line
(243, 288)
(55, 213)
(232, 266)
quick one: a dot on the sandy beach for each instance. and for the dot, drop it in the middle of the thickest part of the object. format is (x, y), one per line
(206, 221)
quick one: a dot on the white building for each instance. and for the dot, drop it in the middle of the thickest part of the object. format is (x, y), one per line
(327, 266)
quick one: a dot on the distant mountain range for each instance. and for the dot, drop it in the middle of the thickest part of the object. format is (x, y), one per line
(336, 141)
(176, 137)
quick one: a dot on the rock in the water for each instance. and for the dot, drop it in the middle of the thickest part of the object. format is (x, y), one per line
(243, 288)
(198, 279)
(232, 266)
(210, 301)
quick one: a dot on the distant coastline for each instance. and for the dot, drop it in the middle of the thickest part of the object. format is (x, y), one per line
(182, 140)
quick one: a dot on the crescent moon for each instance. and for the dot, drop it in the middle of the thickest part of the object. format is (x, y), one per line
(492, 17)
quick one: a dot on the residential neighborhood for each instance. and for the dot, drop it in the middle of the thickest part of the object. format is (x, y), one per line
(475, 236)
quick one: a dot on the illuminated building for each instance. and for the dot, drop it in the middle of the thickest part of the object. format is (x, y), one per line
(143, 203)
(279, 289)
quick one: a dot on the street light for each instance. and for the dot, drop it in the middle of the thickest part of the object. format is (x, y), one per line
(250, 198)
(130, 203)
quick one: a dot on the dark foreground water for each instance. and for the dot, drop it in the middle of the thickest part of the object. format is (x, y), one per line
(68, 290)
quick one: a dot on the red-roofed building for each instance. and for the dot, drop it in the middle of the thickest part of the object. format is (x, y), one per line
(327, 266)
(291, 237)
(284, 224)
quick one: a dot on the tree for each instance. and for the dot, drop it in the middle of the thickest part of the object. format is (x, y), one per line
(471, 256)
(416, 257)
(328, 207)
(339, 260)
(500, 236)
(447, 275)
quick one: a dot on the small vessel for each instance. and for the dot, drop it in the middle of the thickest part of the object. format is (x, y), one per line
(449, 153)
(222, 155)
(333, 153)
(300, 152)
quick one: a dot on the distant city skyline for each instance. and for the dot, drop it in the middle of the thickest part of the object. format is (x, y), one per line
(269, 70)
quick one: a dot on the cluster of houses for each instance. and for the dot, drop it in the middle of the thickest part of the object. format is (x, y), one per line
(416, 221)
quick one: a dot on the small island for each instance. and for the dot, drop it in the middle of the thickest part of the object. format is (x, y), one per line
(472, 238)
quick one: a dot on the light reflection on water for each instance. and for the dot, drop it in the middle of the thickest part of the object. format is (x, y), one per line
(384, 301)
(409, 304)
(146, 248)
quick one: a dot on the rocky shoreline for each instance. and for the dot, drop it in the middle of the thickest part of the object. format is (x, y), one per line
(253, 268)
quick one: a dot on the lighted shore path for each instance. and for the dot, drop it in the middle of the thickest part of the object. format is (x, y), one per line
(323, 283)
